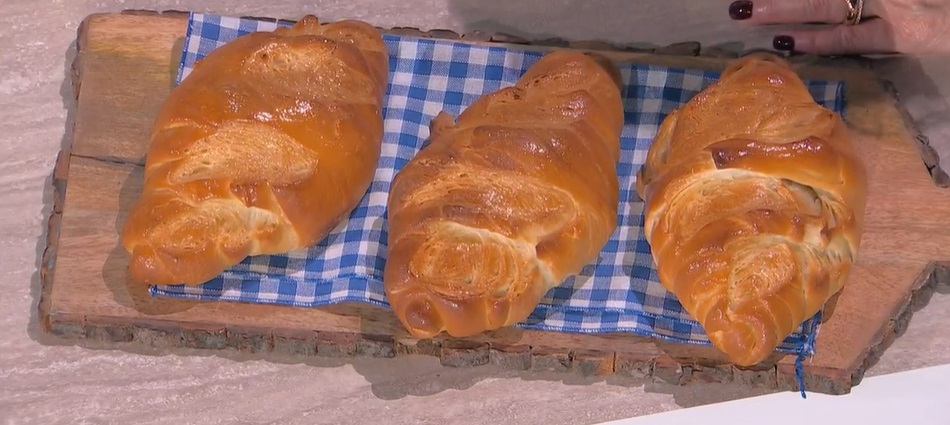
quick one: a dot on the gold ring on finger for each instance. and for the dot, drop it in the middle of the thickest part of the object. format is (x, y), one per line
(855, 9)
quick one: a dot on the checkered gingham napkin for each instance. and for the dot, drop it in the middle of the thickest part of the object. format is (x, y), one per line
(618, 293)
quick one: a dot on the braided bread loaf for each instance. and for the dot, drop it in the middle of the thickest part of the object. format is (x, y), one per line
(508, 201)
(754, 200)
(270, 142)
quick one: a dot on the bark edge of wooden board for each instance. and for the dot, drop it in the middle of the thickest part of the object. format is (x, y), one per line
(76, 305)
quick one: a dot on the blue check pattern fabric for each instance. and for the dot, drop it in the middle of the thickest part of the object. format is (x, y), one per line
(620, 292)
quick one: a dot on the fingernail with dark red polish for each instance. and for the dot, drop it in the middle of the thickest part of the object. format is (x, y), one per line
(784, 43)
(740, 10)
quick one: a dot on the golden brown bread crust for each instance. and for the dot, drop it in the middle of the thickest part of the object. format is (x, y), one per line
(265, 147)
(754, 203)
(505, 203)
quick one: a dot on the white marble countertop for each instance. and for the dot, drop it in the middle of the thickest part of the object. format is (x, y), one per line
(43, 383)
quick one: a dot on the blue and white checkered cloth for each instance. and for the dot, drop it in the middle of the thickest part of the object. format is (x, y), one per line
(618, 293)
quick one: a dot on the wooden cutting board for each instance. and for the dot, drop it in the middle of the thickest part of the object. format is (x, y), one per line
(124, 68)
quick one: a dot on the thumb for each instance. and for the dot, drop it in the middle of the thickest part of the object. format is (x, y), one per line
(871, 36)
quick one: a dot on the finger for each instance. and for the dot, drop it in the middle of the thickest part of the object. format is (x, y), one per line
(760, 12)
(870, 37)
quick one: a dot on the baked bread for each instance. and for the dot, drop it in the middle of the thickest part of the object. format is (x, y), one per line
(508, 201)
(264, 148)
(754, 202)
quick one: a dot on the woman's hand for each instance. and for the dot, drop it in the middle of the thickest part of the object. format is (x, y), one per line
(886, 26)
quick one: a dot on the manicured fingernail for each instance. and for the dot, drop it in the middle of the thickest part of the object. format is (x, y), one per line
(783, 42)
(740, 10)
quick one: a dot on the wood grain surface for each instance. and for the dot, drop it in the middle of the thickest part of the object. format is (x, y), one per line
(123, 70)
